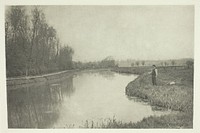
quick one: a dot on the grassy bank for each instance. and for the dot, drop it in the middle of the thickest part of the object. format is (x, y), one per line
(132, 70)
(178, 97)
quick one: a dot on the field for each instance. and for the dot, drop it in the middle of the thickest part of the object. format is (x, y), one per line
(177, 97)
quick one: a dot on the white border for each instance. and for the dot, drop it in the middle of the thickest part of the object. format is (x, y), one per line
(3, 103)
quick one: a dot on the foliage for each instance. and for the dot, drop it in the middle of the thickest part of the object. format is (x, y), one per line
(108, 62)
(32, 45)
(65, 60)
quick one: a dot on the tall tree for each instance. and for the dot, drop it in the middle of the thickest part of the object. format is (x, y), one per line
(32, 46)
(43, 42)
(17, 40)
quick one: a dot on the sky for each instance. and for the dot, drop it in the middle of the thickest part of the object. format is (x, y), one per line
(124, 32)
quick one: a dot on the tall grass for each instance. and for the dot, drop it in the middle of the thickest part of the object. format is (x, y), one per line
(175, 121)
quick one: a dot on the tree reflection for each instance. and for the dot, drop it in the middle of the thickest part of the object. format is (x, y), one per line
(37, 106)
(107, 74)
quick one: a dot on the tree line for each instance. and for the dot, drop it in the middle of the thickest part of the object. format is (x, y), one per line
(108, 62)
(32, 45)
(188, 63)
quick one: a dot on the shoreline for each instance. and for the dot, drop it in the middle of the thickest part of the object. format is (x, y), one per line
(178, 97)
(13, 83)
(145, 91)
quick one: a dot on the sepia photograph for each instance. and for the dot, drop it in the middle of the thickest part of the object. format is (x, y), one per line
(99, 66)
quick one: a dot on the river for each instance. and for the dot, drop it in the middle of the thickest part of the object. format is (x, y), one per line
(83, 99)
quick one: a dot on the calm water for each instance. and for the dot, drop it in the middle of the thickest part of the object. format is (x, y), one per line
(76, 101)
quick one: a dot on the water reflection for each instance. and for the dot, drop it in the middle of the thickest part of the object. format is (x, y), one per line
(89, 96)
(103, 73)
(37, 106)
(107, 75)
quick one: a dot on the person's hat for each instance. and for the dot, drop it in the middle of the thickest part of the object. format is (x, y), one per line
(154, 65)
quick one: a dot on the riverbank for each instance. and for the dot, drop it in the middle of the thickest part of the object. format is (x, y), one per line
(177, 97)
(19, 82)
(29, 80)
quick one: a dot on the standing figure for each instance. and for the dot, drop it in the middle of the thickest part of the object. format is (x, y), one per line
(154, 74)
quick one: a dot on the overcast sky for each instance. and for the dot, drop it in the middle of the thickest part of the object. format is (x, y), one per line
(125, 32)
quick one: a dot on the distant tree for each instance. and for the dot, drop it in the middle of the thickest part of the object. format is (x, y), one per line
(132, 64)
(143, 63)
(162, 64)
(165, 63)
(107, 62)
(189, 63)
(173, 62)
(137, 63)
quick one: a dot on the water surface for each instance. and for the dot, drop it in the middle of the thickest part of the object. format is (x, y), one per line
(74, 101)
